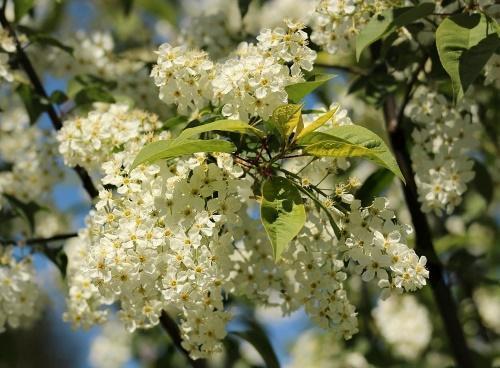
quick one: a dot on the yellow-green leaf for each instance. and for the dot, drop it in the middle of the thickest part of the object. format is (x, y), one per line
(172, 148)
(282, 213)
(286, 118)
(318, 122)
(298, 91)
(465, 42)
(237, 126)
(351, 141)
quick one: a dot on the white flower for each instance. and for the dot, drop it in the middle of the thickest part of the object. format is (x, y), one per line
(405, 325)
(443, 136)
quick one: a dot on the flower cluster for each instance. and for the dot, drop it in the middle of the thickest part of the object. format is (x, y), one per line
(31, 152)
(488, 305)
(314, 349)
(374, 244)
(19, 293)
(184, 77)
(151, 252)
(7, 45)
(251, 83)
(180, 234)
(404, 324)
(89, 141)
(112, 348)
(443, 137)
(492, 71)
(94, 54)
(212, 33)
(335, 23)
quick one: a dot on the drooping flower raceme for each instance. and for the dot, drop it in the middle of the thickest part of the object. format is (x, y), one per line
(89, 141)
(251, 83)
(374, 243)
(112, 348)
(492, 71)
(319, 350)
(20, 295)
(405, 325)
(335, 23)
(179, 234)
(443, 138)
(32, 153)
(184, 77)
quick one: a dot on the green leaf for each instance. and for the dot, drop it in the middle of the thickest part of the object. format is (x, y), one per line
(127, 6)
(58, 97)
(282, 213)
(244, 5)
(25, 210)
(32, 102)
(298, 91)
(171, 148)
(45, 40)
(174, 121)
(483, 182)
(351, 141)
(286, 118)
(21, 8)
(318, 122)
(221, 125)
(92, 94)
(465, 42)
(386, 22)
(374, 186)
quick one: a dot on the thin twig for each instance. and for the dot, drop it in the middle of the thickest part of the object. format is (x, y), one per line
(33, 241)
(27, 66)
(172, 329)
(349, 69)
(424, 243)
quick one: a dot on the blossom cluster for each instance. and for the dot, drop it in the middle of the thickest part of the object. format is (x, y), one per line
(32, 153)
(19, 293)
(180, 234)
(250, 83)
(94, 54)
(91, 140)
(315, 349)
(112, 348)
(335, 23)
(405, 325)
(374, 244)
(7, 46)
(151, 252)
(443, 137)
(492, 71)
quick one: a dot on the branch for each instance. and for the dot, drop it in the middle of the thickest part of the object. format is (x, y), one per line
(172, 330)
(424, 243)
(349, 69)
(27, 66)
(38, 241)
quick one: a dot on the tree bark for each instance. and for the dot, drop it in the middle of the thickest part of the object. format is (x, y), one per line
(424, 243)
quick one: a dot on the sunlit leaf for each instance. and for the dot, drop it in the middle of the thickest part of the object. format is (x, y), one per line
(298, 91)
(170, 148)
(282, 213)
(465, 42)
(351, 141)
(236, 126)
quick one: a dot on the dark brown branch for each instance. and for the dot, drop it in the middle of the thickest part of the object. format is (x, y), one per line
(27, 66)
(349, 69)
(173, 331)
(38, 241)
(424, 243)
